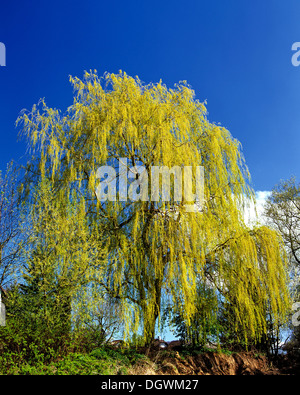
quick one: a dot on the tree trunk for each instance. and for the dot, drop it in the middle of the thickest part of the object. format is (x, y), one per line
(149, 329)
(151, 315)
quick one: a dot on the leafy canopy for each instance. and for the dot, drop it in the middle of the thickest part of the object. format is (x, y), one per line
(156, 252)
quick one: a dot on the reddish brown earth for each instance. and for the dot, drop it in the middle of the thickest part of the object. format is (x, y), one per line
(214, 363)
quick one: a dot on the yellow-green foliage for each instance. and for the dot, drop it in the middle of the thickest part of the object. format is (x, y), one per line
(156, 251)
(64, 256)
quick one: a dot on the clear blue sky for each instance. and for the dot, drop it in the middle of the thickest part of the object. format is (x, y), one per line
(236, 54)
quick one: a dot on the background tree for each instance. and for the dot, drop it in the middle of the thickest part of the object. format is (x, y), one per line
(156, 249)
(101, 323)
(204, 327)
(11, 239)
(282, 210)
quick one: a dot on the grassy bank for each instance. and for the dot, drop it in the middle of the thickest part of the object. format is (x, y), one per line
(100, 361)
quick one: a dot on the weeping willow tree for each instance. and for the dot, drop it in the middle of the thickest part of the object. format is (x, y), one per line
(62, 259)
(157, 249)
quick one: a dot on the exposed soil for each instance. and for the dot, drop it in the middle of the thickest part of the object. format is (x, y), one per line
(214, 363)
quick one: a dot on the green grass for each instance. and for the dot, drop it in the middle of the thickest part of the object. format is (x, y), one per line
(101, 361)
